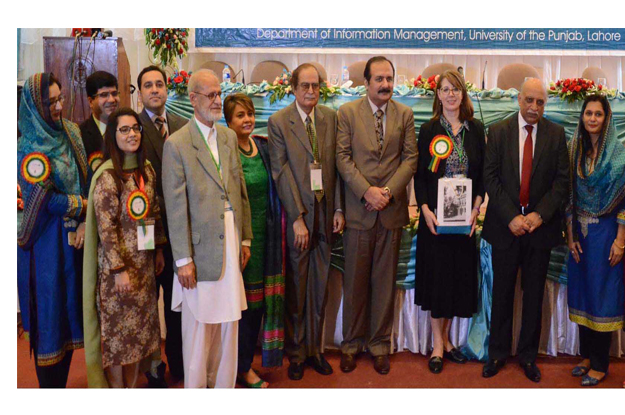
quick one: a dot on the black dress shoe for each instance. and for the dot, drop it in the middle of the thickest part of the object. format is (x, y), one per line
(296, 370)
(381, 364)
(492, 367)
(532, 372)
(348, 362)
(158, 381)
(455, 355)
(320, 364)
(435, 364)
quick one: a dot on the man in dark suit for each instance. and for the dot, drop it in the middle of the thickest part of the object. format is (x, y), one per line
(103, 96)
(302, 144)
(158, 125)
(376, 154)
(526, 177)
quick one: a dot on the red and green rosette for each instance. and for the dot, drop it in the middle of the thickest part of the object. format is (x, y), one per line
(440, 148)
(35, 168)
(95, 159)
(138, 207)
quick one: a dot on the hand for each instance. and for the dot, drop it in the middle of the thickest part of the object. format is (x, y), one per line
(122, 282)
(474, 215)
(159, 262)
(377, 198)
(575, 248)
(80, 236)
(518, 226)
(339, 222)
(246, 254)
(301, 234)
(616, 254)
(534, 221)
(430, 219)
(186, 276)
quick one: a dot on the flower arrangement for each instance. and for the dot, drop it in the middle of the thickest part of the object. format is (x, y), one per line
(577, 89)
(280, 87)
(428, 84)
(167, 45)
(179, 82)
(20, 202)
(326, 92)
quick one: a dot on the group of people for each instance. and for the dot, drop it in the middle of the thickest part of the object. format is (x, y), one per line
(237, 228)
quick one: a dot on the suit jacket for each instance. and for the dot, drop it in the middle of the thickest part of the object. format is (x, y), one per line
(195, 196)
(426, 182)
(291, 155)
(548, 186)
(91, 136)
(361, 165)
(153, 143)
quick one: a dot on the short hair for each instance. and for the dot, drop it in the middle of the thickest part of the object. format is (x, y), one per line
(193, 80)
(231, 102)
(150, 69)
(374, 60)
(298, 70)
(457, 80)
(100, 79)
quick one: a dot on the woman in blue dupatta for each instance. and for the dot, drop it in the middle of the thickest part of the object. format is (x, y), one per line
(596, 236)
(53, 175)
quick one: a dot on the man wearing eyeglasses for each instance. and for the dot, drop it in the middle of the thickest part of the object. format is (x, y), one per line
(159, 124)
(376, 150)
(302, 140)
(103, 99)
(210, 230)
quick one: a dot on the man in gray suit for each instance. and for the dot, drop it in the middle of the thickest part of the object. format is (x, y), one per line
(302, 151)
(158, 125)
(376, 150)
(208, 216)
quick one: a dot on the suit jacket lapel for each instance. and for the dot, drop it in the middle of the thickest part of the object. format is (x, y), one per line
(203, 156)
(299, 129)
(174, 122)
(152, 134)
(224, 155)
(541, 141)
(513, 136)
(391, 116)
(320, 128)
(367, 117)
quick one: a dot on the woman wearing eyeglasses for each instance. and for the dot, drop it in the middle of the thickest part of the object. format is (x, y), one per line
(53, 175)
(446, 265)
(123, 253)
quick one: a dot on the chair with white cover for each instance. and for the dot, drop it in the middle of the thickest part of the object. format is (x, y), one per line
(357, 73)
(218, 68)
(594, 73)
(267, 71)
(513, 75)
(437, 69)
(322, 71)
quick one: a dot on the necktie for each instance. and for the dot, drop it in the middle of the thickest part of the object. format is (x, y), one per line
(160, 124)
(379, 128)
(312, 137)
(526, 172)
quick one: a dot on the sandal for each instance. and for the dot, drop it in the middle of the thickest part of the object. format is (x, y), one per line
(580, 370)
(257, 385)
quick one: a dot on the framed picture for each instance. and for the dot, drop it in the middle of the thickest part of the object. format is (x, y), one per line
(453, 210)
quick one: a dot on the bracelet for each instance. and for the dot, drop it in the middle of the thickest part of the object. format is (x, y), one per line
(618, 246)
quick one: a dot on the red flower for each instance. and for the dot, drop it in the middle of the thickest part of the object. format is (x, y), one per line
(184, 73)
(168, 46)
(169, 79)
(180, 51)
(578, 88)
(178, 79)
(553, 88)
(157, 42)
(416, 82)
(567, 82)
(431, 78)
(153, 31)
(558, 83)
(183, 43)
(419, 78)
(281, 82)
(166, 36)
(433, 85)
(565, 90)
(600, 87)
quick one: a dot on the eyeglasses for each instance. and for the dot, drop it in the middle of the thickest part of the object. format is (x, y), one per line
(60, 100)
(447, 90)
(105, 95)
(211, 97)
(125, 130)
(306, 86)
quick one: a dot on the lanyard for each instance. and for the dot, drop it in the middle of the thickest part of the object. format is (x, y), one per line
(459, 150)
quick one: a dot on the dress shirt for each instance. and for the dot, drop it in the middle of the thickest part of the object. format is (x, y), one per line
(522, 137)
(375, 109)
(153, 118)
(303, 114)
(100, 124)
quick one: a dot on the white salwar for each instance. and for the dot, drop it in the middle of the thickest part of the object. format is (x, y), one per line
(211, 312)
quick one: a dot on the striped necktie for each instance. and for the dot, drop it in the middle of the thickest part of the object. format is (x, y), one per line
(379, 128)
(162, 129)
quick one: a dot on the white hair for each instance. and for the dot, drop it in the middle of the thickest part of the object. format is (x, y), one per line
(197, 75)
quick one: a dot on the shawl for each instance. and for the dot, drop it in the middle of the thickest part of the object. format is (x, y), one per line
(91, 319)
(61, 144)
(600, 192)
(274, 269)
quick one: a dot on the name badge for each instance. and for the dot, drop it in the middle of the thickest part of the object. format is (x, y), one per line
(145, 236)
(316, 178)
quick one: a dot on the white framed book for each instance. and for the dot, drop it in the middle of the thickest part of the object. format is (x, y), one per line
(453, 210)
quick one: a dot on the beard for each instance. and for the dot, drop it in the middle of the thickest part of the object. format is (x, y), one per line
(212, 115)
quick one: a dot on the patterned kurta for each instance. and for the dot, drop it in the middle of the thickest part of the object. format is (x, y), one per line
(129, 321)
